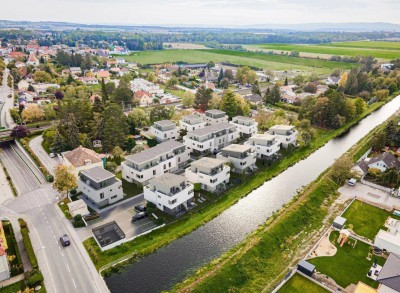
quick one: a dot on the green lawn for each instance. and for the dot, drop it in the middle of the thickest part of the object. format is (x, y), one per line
(369, 44)
(130, 189)
(263, 61)
(344, 49)
(299, 284)
(366, 219)
(13, 288)
(349, 265)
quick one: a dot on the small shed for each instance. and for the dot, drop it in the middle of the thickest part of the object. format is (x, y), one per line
(306, 268)
(78, 207)
(339, 222)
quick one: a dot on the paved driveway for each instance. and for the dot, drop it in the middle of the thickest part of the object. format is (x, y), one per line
(49, 163)
(369, 194)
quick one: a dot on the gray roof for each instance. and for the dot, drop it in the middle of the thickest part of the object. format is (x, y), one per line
(154, 152)
(165, 123)
(282, 127)
(208, 162)
(168, 180)
(211, 129)
(98, 174)
(242, 118)
(308, 266)
(390, 273)
(340, 220)
(388, 159)
(239, 148)
(256, 98)
(215, 111)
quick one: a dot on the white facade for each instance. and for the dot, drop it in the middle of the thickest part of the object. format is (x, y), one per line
(245, 125)
(4, 268)
(212, 174)
(266, 145)
(287, 134)
(170, 193)
(144, 85)
(211, 138)
(192, 122)
(100, 186)
(214, 117)
(390, 239)
(243, 157)
(151, 163)
(78, 207)
(164, 130)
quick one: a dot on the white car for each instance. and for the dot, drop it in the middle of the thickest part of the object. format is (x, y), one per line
(52, 155)
(352, 182)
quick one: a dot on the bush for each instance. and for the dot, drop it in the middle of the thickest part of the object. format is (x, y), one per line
(23, 224)
(34, 279)
(28, 245)
(160, 221)
(73, 191)
(50, 178)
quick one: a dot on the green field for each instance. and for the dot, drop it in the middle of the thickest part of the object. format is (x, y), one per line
(263, 61)
(299, 284)
(381, 50)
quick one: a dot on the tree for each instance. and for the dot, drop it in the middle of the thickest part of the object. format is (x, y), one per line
(273, 96)
(32, 113)
(202, 97)
(115, 127)
(104, 92)
(270, 74)
(188, 99)
(224, 84)
(172, 82)
(391, 133)
(378, 140)
(336, 72)
(343, 79)
(59, 95)
(341, 170)
(351, 87)
(161, 113)
(214, 102)
(306, 136)
(368, 63)
(210, 65)
(255, 89)
(137, 149)
(68, 128)
(245, 75)
(382, 94)
(139, 117)
(310, 87)
(286, 81)
(70, 79)
(19, 131)
(41, 76)
(151, 77)
(228, 73)
(360, 105)
(122, 94)
(65, 180)
(229, 104)
(220, 76)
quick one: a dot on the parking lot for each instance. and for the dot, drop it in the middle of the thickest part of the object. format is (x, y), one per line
(122, 214)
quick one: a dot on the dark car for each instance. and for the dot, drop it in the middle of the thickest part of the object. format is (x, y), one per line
(139, 216)
(140, 208)
(65, 240)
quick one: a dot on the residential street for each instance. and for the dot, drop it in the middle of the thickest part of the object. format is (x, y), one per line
(49, 163)
(5, 117)
(66, 269)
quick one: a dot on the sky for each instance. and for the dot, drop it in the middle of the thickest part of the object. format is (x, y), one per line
(202, 12)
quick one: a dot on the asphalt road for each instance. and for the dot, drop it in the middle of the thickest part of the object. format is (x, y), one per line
(7, 103)
(65, 269)
(49, 163)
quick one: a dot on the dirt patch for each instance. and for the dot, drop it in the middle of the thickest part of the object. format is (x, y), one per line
(325, 248)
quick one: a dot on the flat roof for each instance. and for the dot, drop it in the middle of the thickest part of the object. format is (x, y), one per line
(242, 118)
(215, 111)
(237, 148)
(340, 220)
(98, 174)
(264, 136)
(308, 266)
(208, 162)
(165, 123)
(168, 179)
(282, 127)
(108, 233)
(154, 152)
(211, 129)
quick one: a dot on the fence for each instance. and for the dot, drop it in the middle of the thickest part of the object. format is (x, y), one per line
(376, 186)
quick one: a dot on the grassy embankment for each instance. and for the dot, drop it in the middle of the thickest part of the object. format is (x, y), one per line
(264, 257)
(274, 62)
(151, 242)
(382, 50)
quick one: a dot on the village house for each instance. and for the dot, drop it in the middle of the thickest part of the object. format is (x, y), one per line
(389, 276)
(82, 159)
(32, 60)
(170, 193)
(103, 74)
(243, 157)
(75, 71)
(23, 85)
(144, 98)
(332, 80)
(382, 162)
(88, 80)
(164, 130)
(215, 116)
(266, 145)
(192, 122)
(168, 156)
(41, 88)
(100, 186)
(286, 134)
(254, 99)
(211, 138)
(245, 125)
(212, 174)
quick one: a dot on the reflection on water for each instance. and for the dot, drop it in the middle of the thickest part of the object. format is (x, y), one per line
(171, 264)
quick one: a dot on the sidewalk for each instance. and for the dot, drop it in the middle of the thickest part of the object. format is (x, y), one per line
(11, 281)
(22, 250)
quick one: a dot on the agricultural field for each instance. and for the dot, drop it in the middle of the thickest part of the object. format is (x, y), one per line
(263, 61)
(380, 50)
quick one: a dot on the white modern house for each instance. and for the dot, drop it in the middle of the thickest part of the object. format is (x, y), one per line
(169, 192)
(389, 240)
(215, 116)
(212, 174)
(192, 122)
(287, 134)
(166, 157)
(266, 145)
(245, 125)
(210, 138)
(243, 157)
(145, 85)
(164, 130)
(100, 186)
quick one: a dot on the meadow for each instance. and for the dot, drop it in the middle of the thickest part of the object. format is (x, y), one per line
(380, 50)
(264, 61)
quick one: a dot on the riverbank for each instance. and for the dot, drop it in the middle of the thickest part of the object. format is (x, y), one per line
(153, 241)
(265, 256)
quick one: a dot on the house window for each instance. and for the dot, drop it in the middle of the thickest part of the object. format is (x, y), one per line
(114, 196)
(154, 172)
(102, 195)
(165, 166)
(169, 164)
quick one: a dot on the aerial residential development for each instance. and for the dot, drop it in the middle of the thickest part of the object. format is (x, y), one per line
(196, 147)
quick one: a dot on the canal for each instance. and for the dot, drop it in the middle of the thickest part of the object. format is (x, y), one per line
(172, 263)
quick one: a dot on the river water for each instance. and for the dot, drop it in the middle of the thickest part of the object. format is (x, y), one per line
(172, 263)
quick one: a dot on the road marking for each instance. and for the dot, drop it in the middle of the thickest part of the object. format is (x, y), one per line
(62, 253)
(54, 236)
(68, 269)
(57, 243)
(74, 282)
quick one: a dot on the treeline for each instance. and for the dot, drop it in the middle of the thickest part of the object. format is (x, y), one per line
(74, 60)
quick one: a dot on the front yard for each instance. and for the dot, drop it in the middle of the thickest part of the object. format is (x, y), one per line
(300, 284)
(349, 265)
(366, 220)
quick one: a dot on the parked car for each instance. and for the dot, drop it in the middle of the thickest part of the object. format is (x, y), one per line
(352, 181)
(65, 240)
(139, 216)
(52, 155)
(140, 208)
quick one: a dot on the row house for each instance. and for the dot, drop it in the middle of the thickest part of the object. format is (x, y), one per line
(242, 157)
(266, 145)
(140, 84)
(212, 174)
(166, 157)
(215, 116)
(192, 122)
(246, 126)
(170, 193)
(286, 134)
(164, 130)
(211, 138)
